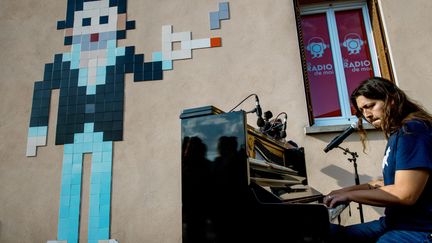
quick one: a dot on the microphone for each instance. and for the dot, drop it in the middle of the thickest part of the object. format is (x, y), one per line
(341, 137)
(260, 121)
(283, 130)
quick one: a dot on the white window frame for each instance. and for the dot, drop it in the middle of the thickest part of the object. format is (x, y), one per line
(329, 9)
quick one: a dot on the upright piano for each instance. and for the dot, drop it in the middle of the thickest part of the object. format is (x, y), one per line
(239, 185)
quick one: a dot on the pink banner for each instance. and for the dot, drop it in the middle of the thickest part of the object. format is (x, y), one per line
(320, 66)
(354, 48)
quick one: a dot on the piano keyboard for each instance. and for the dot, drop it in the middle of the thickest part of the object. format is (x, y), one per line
(336, 211)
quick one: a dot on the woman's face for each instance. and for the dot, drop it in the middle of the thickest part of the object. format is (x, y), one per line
(372, 110)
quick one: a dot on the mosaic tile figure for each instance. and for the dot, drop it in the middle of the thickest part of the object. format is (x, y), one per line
(91, 105)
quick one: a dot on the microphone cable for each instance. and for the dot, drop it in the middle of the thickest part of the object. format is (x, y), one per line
(241, 102)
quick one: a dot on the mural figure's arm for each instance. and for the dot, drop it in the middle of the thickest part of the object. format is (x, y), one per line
(38, 128)
(143, 71)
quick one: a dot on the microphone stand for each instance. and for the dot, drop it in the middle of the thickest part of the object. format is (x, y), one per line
(353, 159)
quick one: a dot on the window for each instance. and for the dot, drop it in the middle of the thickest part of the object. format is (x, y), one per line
(338, 49)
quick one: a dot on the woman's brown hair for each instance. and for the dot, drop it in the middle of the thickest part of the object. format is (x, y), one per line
(398, 107)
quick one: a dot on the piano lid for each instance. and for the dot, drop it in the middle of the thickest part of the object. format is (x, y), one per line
(200, 111)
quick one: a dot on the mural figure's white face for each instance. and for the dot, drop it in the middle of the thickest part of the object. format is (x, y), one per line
(96, 24)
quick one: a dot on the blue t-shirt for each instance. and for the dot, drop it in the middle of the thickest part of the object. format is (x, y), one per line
(407, 149)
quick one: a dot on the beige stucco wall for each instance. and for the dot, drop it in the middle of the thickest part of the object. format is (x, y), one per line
(259, 55)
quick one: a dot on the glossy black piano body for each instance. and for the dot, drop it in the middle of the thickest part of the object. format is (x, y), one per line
(230, 193)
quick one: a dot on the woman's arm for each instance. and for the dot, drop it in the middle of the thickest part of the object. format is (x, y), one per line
(408, 186)
(370, 185)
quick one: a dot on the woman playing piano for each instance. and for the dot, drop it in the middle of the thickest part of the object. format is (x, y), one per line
(406, 188)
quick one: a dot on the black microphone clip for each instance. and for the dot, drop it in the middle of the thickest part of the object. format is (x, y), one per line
(266, 121)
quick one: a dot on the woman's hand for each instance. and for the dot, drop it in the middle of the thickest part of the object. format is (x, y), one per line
(335, 198)
(341, 196)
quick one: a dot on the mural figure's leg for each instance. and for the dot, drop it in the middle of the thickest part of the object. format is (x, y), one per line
(100, 187)
(100, 192)
(70, 194)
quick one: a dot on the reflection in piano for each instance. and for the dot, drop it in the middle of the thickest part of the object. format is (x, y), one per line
(239, 185)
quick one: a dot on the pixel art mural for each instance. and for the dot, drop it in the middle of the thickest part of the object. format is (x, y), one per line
(91, 105)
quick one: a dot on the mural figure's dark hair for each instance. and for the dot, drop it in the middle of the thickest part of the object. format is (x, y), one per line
(78, 5)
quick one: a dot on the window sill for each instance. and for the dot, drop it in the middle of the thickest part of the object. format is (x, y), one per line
(332, 128)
